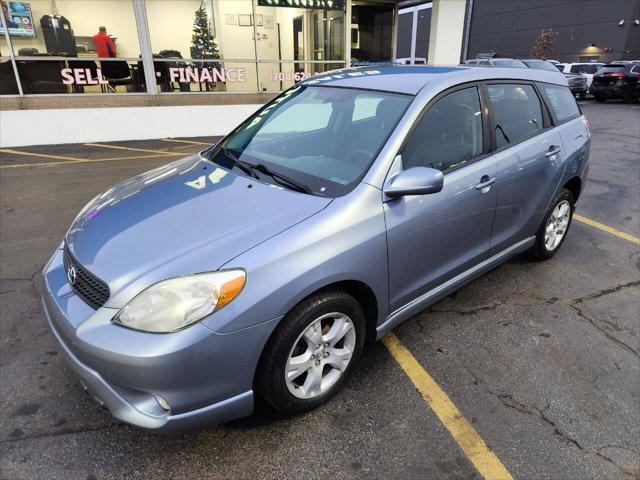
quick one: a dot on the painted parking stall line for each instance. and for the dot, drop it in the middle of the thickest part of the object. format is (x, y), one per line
(84, 161)
(606, 228)
(135, 149)
(482, 457)
(42, 155)
(189, 142)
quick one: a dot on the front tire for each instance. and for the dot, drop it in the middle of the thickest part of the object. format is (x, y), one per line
(555, 226)
(311, 353)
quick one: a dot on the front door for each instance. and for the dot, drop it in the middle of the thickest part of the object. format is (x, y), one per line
(432, 238)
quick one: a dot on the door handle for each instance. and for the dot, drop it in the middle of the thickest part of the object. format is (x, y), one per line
(485, 183)
(553, 151)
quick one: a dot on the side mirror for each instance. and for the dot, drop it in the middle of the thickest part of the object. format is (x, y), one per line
(414, 181)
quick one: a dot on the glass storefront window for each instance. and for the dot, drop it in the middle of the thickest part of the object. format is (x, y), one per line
(296, 39)
(278, 76)
(75, 28)
(203, 45)
(300, 34)
(201, 29)
(180, 75)
(198, 46)
(60, 76)
(74, 46)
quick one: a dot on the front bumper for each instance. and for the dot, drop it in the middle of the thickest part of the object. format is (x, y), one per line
(205, 377)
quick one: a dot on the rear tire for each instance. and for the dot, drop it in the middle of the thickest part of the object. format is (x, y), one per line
(303, 365)
(628, 97)
(554, 228)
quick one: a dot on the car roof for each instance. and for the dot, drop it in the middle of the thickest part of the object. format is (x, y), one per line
(410, 79)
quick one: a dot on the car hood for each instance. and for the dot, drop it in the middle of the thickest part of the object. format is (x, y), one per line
(187, 217)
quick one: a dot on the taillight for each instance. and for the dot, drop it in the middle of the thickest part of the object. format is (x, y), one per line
(618, 74)
(586, 125)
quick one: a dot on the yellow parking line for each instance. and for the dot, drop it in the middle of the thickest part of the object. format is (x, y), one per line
(607, 228)
(42, 155)
(191, 142)
(98, 160)
(132, 149)
(485, 461)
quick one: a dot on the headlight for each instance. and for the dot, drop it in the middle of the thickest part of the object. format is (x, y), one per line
(174, 304)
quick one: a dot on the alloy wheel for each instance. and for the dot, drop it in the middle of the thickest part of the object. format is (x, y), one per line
(320, 355)
(557, 225)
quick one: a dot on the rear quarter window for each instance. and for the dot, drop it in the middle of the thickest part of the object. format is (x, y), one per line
(561, 102)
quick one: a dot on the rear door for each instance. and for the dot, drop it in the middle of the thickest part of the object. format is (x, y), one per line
(530, 160)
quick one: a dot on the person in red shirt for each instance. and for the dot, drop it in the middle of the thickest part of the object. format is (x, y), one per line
(104, 45)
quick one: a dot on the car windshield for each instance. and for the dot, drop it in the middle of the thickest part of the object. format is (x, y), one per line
(540, 65)
(317, 139)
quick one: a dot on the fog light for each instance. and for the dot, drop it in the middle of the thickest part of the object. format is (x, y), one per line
(162, 402)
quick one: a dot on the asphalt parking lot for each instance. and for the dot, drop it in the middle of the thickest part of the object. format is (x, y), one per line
(540, 359)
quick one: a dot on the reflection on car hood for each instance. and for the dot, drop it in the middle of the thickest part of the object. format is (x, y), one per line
(186, 217)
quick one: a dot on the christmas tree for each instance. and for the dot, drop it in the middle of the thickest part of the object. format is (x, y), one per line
(545, 44)
(203, 45)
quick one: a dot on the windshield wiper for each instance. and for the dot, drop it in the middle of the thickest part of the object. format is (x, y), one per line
(244, 166)
(249, 168)
(282, 179)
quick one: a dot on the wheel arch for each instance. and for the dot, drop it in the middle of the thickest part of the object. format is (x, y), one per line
(359, 290)
(574, 185)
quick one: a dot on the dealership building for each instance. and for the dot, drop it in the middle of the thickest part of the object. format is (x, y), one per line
(87, 70)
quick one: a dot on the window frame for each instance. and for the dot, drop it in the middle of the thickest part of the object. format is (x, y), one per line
(486, 140)
(547, 120)
(547, 101)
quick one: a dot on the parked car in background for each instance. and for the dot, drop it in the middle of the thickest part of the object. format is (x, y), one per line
(539, 64)
(577, 83)
(497, 62)
(617, 80)
(588, 69)
(264, 263)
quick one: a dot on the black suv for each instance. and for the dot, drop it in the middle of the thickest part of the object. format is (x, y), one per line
(617, 80)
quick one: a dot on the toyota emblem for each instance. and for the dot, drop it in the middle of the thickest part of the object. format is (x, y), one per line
(71, 275)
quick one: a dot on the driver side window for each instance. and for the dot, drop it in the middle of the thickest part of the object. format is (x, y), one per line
(449, 134)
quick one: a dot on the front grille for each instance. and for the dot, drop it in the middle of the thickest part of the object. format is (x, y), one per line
(87, 286)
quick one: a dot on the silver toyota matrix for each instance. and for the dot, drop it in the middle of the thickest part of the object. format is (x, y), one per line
(264, 264)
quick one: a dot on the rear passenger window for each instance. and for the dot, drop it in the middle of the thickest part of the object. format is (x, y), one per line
(516, 112)
(449, 134)
(561, 103)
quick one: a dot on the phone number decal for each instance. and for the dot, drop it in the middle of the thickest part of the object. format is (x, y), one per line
(289, 76)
